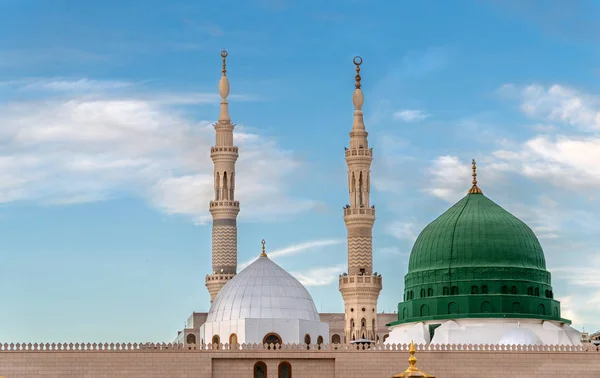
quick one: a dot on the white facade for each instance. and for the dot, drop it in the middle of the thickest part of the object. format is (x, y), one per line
(263, 300)
(486, 331)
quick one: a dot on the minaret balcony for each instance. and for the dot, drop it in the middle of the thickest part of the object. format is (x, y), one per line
(217, 149)
(359, 211)
(359, 152)
(224, 203)
(357, 283)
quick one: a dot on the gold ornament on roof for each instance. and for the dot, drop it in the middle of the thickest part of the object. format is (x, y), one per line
(412, 370)
(357, 61)
(224, 56)
(474, 189)
(263, 253)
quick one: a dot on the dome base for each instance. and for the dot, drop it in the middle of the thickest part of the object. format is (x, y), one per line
(485, 331)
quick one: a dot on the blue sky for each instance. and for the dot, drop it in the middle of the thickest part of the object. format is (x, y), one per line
(105, 175)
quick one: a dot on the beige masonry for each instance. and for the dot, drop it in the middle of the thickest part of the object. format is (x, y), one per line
(344, 362)
(360, 288)
(223, 208)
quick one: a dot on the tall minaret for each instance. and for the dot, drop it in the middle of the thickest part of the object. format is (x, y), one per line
(223, 208)
(360, 288)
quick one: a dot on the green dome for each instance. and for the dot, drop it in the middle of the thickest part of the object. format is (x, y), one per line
(477, 260)
(476, 232)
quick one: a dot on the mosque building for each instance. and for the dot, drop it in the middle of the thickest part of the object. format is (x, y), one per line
(476, 274)
(478, 300)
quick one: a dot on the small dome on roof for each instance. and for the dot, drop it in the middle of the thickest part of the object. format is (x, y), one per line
(520, 336)
(263, 290)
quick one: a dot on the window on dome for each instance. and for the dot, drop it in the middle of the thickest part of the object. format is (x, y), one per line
(529, 290)
(319, 341)
(474, 289)
(216, 340)
(513, 290)
(422, 293)
(454, 290)
(537, 291)
(547, 293)
(452, 308)
(541, 309)
(307, 339)
(430, 292)
(446, 291)
(484, 289)
(233, 339)
(424, 310)
(335, 339)
(486, 307)
(284, 370)
(260, 370)
(504, 289)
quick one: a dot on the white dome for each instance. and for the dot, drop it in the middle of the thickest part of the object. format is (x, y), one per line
(263, 290)
(520, 336)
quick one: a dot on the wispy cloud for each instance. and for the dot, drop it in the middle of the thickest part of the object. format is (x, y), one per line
(294, 249)
(403, 230)
(78, 148)
(319, 276)
(411, 115)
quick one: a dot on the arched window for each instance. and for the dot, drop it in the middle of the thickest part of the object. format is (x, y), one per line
(272, 338)
(319, 341)
(513, 290)
(422, 293)
(307, 339)
(529, 290)
(446, 291)
(385, 337)
(452, 308)
(504, 289)
(430, 292)
(191, 339)
(484, 289)
(335, 339)
(284, 370)
(547, 293)
(216, 340)
(260, 370)
(424, 310)
(233, 339)
(541, 309)
(537, 291)
(454, 290)
(516, 307)
(363, 322)
(474, 289)
(486, 307)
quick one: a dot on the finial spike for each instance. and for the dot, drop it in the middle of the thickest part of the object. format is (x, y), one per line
(224, 56)
(357, 62)
(474, 189)
(263, 253)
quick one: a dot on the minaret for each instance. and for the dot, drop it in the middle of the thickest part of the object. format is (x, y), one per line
(360, 287)
(223, 208)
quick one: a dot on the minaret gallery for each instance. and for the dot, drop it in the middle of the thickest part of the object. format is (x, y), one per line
(360, 287)
(223, 208)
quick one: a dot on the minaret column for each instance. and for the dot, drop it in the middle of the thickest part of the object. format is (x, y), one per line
(360, 288)
(224, 207)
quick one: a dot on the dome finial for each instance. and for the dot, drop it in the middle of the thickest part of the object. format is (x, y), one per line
(474, 189)
(357, 62)
(263, 253)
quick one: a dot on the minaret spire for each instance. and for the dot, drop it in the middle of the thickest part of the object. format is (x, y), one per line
(474, 189)
(360, 287)
(224, 207)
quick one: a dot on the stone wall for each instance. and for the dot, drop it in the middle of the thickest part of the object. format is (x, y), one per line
(347, 361)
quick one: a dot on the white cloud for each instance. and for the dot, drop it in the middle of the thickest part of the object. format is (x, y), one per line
(449, 178)
(403, 230)
(411, 115)
(90, 147)
(294, 249)
(557, 103)
(319, 276)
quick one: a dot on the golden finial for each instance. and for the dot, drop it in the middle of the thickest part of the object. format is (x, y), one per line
(224, 56)
(263, 253)
(412, 370)
(357, 61)
(474, 189)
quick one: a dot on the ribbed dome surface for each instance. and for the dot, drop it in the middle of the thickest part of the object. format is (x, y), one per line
(263, 290)
(476, 232)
